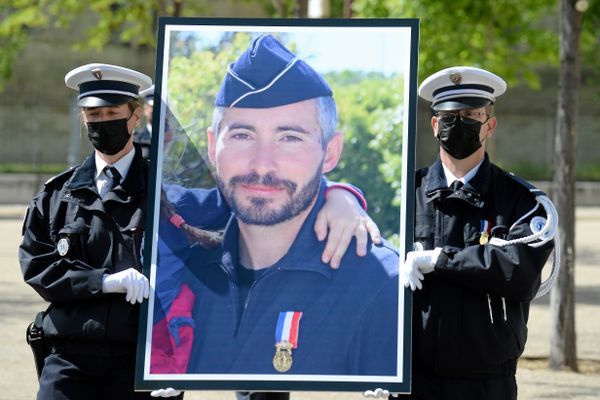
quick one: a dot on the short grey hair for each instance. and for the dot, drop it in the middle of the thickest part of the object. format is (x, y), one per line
(327, 118)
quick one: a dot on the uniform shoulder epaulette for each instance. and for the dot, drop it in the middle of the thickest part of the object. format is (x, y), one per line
(532, 189)
(63, 176)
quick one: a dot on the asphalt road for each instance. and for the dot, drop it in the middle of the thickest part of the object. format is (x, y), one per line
(19, 303)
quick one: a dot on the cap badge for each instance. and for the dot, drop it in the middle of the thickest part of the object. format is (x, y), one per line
(97, 73)
(456, 78)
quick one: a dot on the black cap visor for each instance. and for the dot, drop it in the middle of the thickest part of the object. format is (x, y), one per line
(104, 100)
(460, 103)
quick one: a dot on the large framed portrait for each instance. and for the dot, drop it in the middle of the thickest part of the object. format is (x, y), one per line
(256, 123)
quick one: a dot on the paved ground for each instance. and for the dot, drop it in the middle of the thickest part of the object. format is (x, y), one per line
(19, 303)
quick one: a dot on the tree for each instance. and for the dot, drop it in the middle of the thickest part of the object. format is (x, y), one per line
(483, 33)
(563, 349)
(133, 22)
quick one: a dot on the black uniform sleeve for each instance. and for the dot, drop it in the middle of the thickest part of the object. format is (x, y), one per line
(512, 271)
(55, 278)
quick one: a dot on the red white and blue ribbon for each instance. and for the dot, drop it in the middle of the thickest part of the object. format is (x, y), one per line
(485, 227)
(288, 325)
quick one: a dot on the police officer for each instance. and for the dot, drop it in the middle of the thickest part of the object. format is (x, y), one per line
(478, 257)
(81, 245)
(143, 134)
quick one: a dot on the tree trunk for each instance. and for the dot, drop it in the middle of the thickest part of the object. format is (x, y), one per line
(301, 9)
(178, 8)
(563, 349)
(347, 8)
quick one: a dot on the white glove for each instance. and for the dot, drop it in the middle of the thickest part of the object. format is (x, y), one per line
(418, 263)
(378, 394)
(168, 392)
(130, 281)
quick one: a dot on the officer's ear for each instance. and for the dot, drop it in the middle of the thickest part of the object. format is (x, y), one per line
(82, 115)
(136, 115)
(491, 126)
(138, 112)
(434, 126)
(333, 152)
(212, 144)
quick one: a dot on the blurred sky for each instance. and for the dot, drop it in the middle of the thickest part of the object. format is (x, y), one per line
(380, 49)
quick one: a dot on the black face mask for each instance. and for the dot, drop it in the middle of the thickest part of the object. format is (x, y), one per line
(460, 138)
(109, 137)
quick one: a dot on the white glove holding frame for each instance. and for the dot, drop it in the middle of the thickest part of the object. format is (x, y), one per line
(418, 263)
(131, 281)
(168, 392)
(379, 394)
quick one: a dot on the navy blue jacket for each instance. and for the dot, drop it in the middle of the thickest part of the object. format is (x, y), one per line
(103, 237)
(350, 316)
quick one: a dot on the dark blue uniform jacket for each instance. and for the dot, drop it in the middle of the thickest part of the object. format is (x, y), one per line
(349, 321)
(103, 237)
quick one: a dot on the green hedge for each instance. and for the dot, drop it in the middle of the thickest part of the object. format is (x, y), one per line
(536, 172)
(45, 169)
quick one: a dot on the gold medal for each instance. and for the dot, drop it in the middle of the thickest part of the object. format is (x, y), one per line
(283, 356)
(483, 239)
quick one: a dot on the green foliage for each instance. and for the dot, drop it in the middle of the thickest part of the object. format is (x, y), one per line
(588, 172)
(541, 172)
(43, 169)
(370, 112)
(133, 22)
(509, 37)
(590, 42)
(485, 33)
(17, 17)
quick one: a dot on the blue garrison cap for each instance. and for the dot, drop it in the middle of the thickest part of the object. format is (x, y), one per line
(269, 75)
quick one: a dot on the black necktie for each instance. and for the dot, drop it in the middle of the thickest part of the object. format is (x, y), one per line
(456, 185)
(114, 177)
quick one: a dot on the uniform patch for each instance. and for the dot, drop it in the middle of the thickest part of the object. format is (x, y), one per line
(63, 246)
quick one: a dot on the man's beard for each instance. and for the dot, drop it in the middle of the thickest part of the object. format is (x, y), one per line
(258, 212)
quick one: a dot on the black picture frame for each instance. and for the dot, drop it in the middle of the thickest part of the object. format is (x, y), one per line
(386, 48)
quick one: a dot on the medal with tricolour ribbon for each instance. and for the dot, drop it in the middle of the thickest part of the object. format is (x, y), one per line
(486, 230)
(286, 339)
